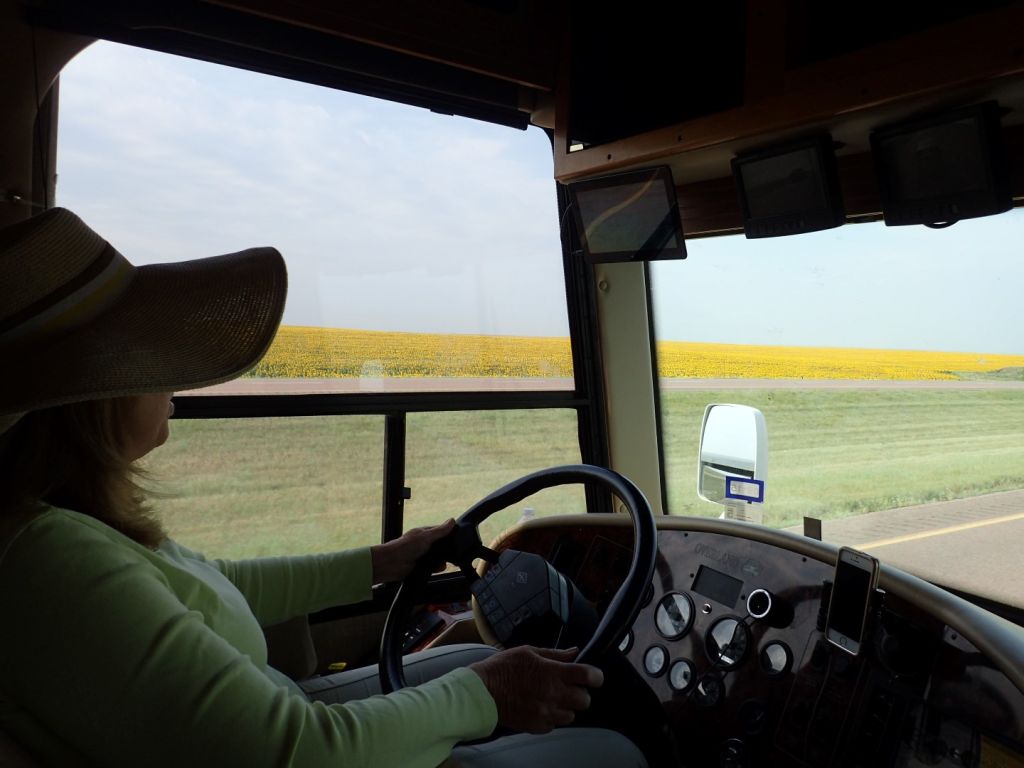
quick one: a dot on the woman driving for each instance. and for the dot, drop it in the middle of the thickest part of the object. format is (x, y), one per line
(121, 647)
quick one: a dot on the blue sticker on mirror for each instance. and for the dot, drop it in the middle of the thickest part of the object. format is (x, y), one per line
(744, 489)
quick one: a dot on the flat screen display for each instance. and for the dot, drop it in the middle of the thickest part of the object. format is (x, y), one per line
(782, 185)
(943, 168)
(628, 216)
(789, 189)
(936, 161)
(716, 585)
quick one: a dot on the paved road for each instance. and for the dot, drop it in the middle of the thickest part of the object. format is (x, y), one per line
(975, 544)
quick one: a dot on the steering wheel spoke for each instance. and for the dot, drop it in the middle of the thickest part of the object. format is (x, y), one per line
(489, 555)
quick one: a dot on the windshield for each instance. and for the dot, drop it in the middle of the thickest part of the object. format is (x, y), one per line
(889, 365)
(418, 246)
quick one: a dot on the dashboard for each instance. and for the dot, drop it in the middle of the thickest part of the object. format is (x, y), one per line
(730, 639)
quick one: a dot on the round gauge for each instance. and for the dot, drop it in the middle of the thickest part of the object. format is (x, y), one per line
(655, 659)
(681, 675)
(674, 615)
(709, 691)
(627, 642)
(775, 658)
(727, 642)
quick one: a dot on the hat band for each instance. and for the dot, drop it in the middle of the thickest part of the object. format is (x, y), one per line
(77, 302)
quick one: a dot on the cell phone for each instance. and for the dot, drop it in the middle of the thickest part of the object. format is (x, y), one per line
(855, 579)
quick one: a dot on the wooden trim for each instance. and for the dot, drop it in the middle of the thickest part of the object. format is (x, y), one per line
(859, 185)
(981, 50)
(709, 208)
(1002, 643)
(712, 207)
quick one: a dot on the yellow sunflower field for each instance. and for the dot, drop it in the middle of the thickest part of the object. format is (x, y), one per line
(305, 352)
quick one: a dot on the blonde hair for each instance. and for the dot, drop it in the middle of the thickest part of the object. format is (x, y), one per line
(71, 456)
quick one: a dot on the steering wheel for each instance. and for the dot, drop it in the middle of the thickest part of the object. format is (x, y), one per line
(463, 545)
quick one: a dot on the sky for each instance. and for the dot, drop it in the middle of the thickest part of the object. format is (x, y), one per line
(860, 285)
(394, 218)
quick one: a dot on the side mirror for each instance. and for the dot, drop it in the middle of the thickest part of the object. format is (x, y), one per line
(733, 464)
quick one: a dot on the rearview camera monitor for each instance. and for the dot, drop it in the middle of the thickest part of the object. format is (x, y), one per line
(942, 168)
(789, 189)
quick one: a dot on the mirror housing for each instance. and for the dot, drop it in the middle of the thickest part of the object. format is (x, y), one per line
(733, 460)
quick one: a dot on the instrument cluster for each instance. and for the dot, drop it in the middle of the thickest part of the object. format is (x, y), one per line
(730, 640)
(697, 634)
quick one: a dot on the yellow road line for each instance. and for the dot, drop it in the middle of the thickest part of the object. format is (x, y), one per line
(940, 531)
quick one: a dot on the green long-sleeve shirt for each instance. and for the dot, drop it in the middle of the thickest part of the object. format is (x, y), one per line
(113, 654)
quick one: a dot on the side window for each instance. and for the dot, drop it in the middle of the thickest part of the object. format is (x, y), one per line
(423, 256)
(456, 459)
(240, 488)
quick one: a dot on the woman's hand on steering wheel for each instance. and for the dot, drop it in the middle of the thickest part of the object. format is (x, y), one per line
(462, 546)
(394, 560)
(537, 689)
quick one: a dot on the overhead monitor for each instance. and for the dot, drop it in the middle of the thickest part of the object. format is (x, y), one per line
(629, 216)
(942, 168)
(789, 188)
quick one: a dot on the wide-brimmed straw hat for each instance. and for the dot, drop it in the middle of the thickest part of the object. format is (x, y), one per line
(79, 322)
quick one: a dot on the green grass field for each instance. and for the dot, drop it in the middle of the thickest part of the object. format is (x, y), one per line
(248, 487)
(843, 452)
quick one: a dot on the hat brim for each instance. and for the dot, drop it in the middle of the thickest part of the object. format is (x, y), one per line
(177, 326)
